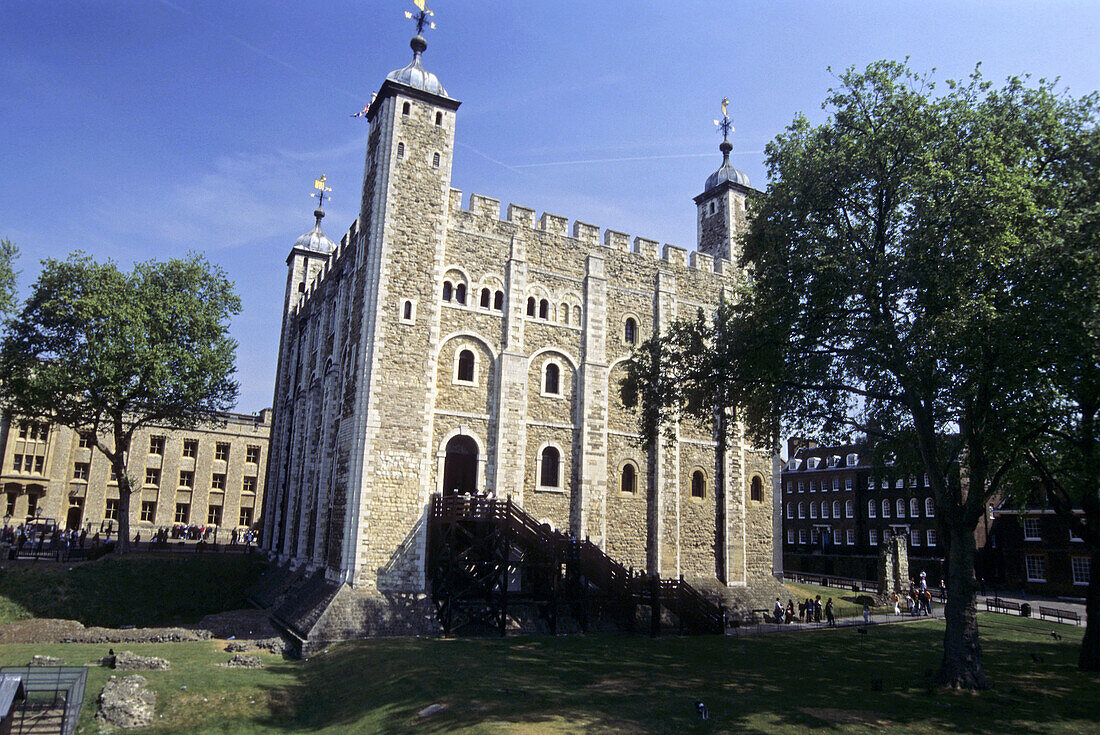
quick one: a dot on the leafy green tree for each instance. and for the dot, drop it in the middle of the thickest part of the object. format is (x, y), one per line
(8, 254)
(881, 298)
(1064, 284)
(107, 353)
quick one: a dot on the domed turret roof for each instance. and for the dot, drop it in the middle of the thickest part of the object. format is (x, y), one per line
(726, 173)
(315, 240)
(415, 75)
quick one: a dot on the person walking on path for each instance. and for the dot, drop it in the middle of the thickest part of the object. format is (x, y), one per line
(897, 604)
(829, 613)
(778, 612)
(817, 609)
(866, 613)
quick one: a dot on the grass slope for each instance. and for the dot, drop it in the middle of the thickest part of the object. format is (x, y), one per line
(142, 590)
(806, 682)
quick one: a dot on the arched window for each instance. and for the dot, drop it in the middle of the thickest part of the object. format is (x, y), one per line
(435, 160)
(836, 509)
(901, 508)
(448, 290)
(486, 294)
(405, 109)
(400, 151)
(498, 301)
(544, 309)
(531, 306)
(849, 509)
(698, 484)
(460, 293)
(790, 510)
(548, 474)
(563, 313)
(552, 382)
(872, 509)
(439, 118)
(466, 366)
(628, 483)
(885, 508)
(813, 509)
(407, 312)
(929, 507)
(630, 331)
(801, 510)
(756, 493)
(824, 508)
(914, 508)
(577, 315)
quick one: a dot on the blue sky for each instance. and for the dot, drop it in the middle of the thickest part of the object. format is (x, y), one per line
(147, 129)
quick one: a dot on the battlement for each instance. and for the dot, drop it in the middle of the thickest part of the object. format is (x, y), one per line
(334, 259)
(489, 208)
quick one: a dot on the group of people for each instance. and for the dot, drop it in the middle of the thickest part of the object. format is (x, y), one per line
(809, 611)
(41, 538)
(918, 600)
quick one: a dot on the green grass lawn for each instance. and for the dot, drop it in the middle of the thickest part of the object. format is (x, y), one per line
(141, 590)
(824, 681)
(844, 601)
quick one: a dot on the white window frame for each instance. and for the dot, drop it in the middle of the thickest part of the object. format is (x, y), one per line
(886, 508)
(848, 483)
(802, 535)
(790, 536)
(929, 508)
(401, 312)
(899, 508)
(812, 463)
(801, 510)
(1039, 572)
(849, 508)
(914, 508)
(836, 484)
(559, 488)
(836, 509)
(850, 537)
(872, 508)
(1081, 569)
(560, 395)
(872, 537)
(914, 538)
(930, 537)
(853, 460)
(899, 483)
(790, 511)
(1033, 523)
(872, 484)
(813, 509)
(824, 508)
(801, 487)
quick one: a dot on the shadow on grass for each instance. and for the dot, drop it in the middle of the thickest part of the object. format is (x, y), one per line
(611, 683)
(133, 590)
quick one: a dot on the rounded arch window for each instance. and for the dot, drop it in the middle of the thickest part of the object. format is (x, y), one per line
(901, 508)
(577, 315)
(756, 490)
(530, 306)
(486, 294)
(406, 109)
(544, 309)
(698, 484)
(929, 507)
(630, 331)
(885, 508)
(439, 118)
(448, 290)
(549, 467)
(914, 508)
(466, 366)
(872, 507)
(498, 301)
(801, 510)
(435, 160)
(400, 151)
(836, 509)
(407, 312)
(460, 293)
(628, 480)
(552, 381)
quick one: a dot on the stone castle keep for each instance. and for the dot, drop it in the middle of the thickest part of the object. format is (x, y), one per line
(440, 348)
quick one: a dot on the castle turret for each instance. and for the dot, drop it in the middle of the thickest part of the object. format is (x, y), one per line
(721, 206)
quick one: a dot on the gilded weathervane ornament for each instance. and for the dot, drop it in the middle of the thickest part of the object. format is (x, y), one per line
(322, 188)
(422, 17)
(725, 126)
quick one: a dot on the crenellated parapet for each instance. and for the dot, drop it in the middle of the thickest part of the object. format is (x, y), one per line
(488, 209)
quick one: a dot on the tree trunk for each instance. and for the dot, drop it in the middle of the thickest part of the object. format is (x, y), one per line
(962, 651)
(1090, 644)
(124, 493)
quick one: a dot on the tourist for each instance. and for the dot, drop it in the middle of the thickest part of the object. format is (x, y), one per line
(778, 612)
(897, 604)
(801, 611)
(829, 613)
(790, 611)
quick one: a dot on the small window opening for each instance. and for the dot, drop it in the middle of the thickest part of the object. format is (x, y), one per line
(629, 481)
(552, 384)
(531, 306)
(498, 301)
(466, 366)
(460, 293)
(698, 485)
(302, 287)
(400, 151)
(485, 296)
(405, 109)
(757, 491)
(408, 310)
(549, 473)
(544, 309)
(630, 331)
(439, 118)
(435, 160)
(448, 290)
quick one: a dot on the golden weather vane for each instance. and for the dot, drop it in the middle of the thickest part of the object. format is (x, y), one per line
(422, 16)
(724, 125)
(322, 188)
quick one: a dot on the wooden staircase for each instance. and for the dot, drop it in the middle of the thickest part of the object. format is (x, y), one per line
(487, 559)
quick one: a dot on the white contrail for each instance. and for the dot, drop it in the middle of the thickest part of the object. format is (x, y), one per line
(256, 49)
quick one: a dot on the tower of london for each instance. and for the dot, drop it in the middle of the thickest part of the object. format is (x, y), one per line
(443, 348)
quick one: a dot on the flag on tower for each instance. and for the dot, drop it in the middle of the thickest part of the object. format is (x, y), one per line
(363, 112)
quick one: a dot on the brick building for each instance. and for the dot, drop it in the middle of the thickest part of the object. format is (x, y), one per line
(839, 505)
(440, 347)
(1034, 550)
(210, 475)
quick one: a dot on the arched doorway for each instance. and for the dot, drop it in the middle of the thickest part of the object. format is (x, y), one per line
(460, 466)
